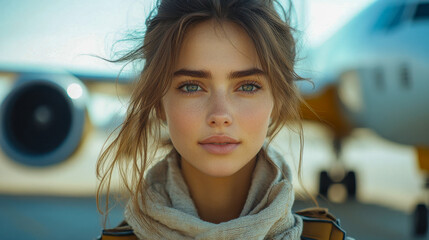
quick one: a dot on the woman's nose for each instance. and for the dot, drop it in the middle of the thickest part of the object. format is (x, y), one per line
(219, 114)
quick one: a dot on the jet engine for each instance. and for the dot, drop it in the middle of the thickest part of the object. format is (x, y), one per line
(42, 118)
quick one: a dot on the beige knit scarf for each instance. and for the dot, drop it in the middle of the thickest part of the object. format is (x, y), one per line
(171, 213)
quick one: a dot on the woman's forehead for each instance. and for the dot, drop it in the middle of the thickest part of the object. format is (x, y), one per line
(215, 44)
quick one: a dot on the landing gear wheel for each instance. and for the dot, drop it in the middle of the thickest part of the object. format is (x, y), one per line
(350, 184)
(324, 183)
(420, 220)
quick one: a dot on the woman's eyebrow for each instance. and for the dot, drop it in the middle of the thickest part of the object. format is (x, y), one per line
(246, 73)
(206, 74)
(192, 73)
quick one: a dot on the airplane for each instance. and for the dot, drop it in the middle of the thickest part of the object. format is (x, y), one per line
(372, 74)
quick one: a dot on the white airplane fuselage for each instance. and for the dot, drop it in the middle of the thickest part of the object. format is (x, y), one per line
(380, 63)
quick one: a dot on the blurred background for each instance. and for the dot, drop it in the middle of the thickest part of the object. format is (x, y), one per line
(366, 154)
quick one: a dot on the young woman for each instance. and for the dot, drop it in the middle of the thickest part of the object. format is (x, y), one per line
(219, 77)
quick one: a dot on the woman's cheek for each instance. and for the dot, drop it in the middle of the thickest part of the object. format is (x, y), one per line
(183, 116)
(256, 114)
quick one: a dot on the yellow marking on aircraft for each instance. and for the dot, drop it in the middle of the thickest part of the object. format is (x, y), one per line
(423, 158)
(324, 108)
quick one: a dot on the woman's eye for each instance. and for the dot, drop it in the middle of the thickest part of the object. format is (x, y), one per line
(249, 88)
(190, 88)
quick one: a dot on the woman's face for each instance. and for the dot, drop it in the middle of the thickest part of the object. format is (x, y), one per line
(219, 104)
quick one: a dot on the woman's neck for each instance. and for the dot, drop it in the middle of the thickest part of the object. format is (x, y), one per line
(218, 199)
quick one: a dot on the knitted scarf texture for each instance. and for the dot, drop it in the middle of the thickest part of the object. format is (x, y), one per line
(172, 214)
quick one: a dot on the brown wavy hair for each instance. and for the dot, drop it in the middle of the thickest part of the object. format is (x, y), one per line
(138, 139)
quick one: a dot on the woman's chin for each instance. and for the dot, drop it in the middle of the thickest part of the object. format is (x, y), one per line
(220, 170)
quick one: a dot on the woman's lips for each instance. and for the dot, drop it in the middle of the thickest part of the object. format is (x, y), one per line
(219, 144)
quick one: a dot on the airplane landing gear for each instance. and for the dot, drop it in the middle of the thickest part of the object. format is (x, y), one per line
(348, 181)
(324, 183)
(420, 220)
(421, 216)
(339, 175)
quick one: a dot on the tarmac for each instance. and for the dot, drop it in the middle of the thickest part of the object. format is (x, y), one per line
(67, 218)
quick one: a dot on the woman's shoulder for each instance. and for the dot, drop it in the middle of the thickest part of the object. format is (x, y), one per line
(319, 224)
(121, 232)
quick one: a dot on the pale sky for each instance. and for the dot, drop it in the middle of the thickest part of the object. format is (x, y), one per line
(60, 33)
(321, 18)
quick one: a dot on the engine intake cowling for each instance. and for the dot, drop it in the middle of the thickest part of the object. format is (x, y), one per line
(42, 119)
